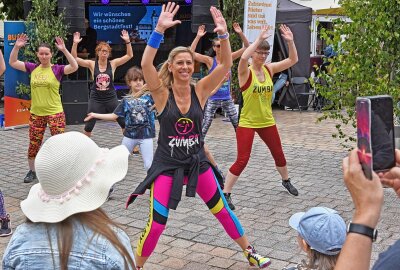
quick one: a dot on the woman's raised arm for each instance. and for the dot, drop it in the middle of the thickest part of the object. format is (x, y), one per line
(292, 59)
(129, 52)
(206, 85)
(243, 67)
(165, 21)
(73, 65)
(74, 52)
(14, 62)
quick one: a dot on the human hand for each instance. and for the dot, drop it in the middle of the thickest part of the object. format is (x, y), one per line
(77, 37)
(264, 34)
(391, 178)
(125, 36)
(237, 28)
(201, 31)
(60, 44)
(21, 41)
(286, 33)
(89, 117)
(219, 21)
(166, 19)
(367, 195)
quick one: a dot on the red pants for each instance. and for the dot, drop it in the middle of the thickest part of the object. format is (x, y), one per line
(37, 127)
(244, 140)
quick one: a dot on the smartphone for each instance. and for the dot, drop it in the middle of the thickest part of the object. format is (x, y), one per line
(363, 113)
(382, 133)
(375, 133)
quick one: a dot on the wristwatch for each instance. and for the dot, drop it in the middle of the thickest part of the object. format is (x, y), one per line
(362, 229)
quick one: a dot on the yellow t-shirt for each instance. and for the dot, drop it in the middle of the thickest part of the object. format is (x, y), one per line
(256, 111)
(45, 94)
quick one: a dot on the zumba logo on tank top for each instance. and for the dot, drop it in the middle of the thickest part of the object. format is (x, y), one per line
(185, 139)
(103, 81)
(262, 91)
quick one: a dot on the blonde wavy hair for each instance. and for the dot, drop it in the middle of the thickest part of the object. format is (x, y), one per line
(164, 74)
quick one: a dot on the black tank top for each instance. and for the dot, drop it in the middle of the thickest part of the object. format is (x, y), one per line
(180, 134)
(103, 89)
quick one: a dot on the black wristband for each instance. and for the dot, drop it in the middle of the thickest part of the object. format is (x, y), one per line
(362, 229)
(128, 43)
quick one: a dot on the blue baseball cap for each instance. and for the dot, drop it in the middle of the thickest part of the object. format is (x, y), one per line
(322, 228)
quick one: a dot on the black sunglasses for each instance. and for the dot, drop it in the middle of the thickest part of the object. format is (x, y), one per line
(217, 45)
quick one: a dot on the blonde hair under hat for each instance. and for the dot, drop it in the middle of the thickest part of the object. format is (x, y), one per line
(75, 175)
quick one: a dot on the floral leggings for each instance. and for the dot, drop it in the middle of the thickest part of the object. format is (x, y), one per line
(37, 127)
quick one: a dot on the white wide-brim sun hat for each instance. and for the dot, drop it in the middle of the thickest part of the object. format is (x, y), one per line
(75, 175)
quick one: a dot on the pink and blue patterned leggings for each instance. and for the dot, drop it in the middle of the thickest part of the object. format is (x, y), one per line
(208, 190)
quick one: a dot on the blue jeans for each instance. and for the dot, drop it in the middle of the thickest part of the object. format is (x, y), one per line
(279, 84)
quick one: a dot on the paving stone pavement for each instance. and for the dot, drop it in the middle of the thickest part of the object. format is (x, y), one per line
(193, 238)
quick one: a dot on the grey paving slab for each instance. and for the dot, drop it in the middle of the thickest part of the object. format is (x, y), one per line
(193, 238)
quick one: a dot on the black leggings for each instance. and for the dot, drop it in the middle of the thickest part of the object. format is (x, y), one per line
(102, 107)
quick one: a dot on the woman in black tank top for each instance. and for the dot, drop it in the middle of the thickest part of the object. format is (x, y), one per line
(103, 98)
(180, 157)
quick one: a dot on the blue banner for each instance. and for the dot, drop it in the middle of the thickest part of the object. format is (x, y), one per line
(16, 108)
(12, 76)
(109, 21)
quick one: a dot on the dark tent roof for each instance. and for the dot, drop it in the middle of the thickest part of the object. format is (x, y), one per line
(289, 12)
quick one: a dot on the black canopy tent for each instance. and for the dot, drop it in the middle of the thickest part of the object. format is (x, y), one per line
(298, 19)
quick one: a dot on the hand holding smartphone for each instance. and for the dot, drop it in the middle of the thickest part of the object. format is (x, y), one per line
(375, 133)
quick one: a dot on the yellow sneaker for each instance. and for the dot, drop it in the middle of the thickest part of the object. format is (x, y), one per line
(256, 259)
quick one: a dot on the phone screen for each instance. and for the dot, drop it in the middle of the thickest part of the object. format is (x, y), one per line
(363, 109)
(382, 133)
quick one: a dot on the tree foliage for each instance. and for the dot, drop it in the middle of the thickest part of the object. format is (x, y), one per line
(12, 10)
(43, 25)
(233, 11)
(368, 61)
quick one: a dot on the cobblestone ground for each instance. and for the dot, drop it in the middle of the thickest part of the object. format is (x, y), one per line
(193, 238)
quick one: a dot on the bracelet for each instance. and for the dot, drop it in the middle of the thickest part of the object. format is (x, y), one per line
(155, 39)
(128, 42)
(224, 36)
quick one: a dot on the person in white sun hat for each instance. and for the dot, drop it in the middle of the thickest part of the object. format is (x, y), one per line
(66, 228)
(321, 235)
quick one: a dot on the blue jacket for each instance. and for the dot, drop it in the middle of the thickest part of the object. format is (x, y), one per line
(29, 248)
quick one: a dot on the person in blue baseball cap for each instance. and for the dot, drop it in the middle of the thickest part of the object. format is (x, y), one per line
(321, 234)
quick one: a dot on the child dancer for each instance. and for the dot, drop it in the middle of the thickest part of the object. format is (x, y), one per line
(137, 108)
(321, 235)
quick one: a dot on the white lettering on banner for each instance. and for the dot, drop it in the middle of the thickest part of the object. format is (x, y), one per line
(177, 141)
(111, 21)
(258, 13)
